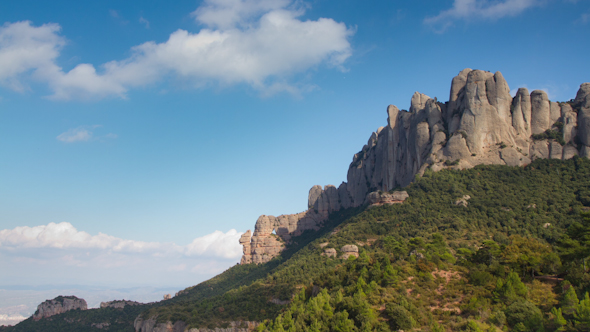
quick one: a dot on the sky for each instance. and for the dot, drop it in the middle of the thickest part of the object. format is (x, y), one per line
(140, 139)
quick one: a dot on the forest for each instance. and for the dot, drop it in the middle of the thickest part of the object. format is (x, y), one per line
(512, 259)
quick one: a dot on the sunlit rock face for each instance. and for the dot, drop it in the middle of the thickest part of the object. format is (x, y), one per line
(59, 305)
(480, 124)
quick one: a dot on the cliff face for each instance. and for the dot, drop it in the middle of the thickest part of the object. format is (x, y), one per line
(480, 124)
(150, 325)
(59, 305)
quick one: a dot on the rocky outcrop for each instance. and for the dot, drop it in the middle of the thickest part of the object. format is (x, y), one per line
(480, 124)
(118, 304)
(329, 252)
(59, 305)
(349, 250)
(377, 198)
(463, 201)
(150, 325)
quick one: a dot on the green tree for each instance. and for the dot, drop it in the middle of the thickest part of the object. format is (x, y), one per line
(526, 313)
(569, 302)
(399, 317)
(582, 314)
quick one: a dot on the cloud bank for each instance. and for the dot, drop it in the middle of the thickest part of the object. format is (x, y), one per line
(65, 236)
(259, 43)
(58, 252)
(478, 10)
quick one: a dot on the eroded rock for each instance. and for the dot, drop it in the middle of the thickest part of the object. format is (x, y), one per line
(480, 124)
(59, 305)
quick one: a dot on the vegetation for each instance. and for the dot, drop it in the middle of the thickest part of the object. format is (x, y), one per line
(513, 259)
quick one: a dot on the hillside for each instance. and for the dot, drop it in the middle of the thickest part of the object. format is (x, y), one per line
(429, 257)
(490, 232)
(425, 263)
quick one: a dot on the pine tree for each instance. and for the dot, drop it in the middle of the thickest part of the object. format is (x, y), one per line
(569, 303)
(582, 315)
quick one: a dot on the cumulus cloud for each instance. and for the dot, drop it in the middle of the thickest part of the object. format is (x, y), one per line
(479, 9)
(27, 49)
(260, 43)
(217, 244)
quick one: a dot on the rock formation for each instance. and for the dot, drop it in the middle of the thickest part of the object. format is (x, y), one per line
(377, 198)
(150, 325)
(59, 305)
(119, 304)
(349, 250)
(480, 124)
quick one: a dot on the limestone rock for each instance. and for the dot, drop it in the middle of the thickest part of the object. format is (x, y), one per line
(118, 304)
(541, 112)
(584, 126)
(570, 122)
(521, 114)
(59, 305)
(330, 252)
(555, 150)
(583, 96)
(418, 102)
(480, 124)
(349, 250)
(314, 194)
(463, 201)
(150, 325)
(379, 198)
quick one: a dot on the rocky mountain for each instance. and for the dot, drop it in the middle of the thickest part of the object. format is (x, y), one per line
(58, 306)
(480, 124)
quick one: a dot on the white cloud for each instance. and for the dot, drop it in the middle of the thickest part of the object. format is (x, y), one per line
(27, 49)
(217, 244)
(83, 134)
(260, 43)
(227, 14)
(79, 134)
(145, 22)
(58, 253)
(65, 236)
(479, 9)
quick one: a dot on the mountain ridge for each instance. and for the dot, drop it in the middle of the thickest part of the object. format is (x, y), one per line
(480, 124)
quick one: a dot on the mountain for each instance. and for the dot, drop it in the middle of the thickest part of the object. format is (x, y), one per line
(490, 232)
(480, 124)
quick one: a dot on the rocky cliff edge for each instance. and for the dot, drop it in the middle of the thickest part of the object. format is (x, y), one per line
(480, 124)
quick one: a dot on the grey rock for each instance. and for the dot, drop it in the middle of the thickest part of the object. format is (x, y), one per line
(59, 305)
(329, 252)
(583, 96)
(418, 102)
(584, 126)
(481, 124)
(380, 198)
(349, 248)
(569, 152)
(521, 114)
(570, 122)
(555, 150)
(463, 201)
(118, 304)
(314, 194)
(541, 112)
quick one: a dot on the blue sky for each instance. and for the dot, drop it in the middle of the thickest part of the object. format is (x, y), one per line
(170, 127)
